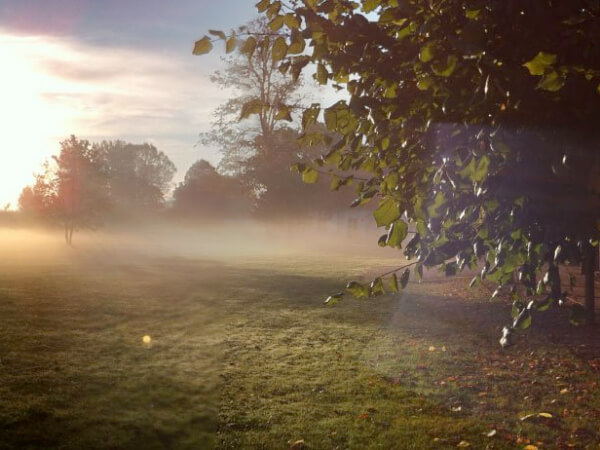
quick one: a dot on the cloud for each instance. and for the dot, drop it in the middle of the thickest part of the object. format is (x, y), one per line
(59, 86)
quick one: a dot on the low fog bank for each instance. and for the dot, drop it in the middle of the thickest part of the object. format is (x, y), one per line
(225, 241)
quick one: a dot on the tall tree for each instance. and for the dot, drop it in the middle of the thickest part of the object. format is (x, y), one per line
(139, 175)
(38, 199)
(205, 193)
(252, 73)
(81, 186)
(473, 120)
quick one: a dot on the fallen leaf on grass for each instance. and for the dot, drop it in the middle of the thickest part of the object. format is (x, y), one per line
(530, 447)
(363, 416)
(297, 445)
(491, 433)
(463, 444)
(545, 415)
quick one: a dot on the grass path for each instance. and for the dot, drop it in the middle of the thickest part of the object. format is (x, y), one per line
(244, 355)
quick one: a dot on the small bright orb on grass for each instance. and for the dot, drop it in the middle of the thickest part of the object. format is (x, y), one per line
(146, 339)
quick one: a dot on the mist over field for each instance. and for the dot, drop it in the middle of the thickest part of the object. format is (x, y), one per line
(225, 241)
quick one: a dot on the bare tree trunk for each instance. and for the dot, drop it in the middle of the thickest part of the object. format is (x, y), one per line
(69, 233)
(589, 263)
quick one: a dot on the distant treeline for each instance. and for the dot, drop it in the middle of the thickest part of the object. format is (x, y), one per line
(89, 184)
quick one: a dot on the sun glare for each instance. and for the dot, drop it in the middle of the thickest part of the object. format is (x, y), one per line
(31, 125)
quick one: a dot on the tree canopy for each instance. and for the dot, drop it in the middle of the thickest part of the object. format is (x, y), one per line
(472, 120)
(85, 183)
(208, 194)
(139, 175)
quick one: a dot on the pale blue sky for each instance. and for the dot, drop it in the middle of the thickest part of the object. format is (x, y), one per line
(106, 69)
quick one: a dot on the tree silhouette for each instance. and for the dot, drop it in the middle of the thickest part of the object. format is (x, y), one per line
(139, 175)
(205, 193)
(81, 186)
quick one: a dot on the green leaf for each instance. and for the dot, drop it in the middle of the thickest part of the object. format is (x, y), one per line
(377, 286)
(297, 46)
(393, 283)
(390, 91)
(279, 49)
(310, 175)
(322, 74)
(248, 47)
(263, 5)
(544, 304)
(339, 118)
(357, 290)
(230, 44)
(445, 69)
(516, 309)
(387, 211)
(434, 208)
(397, 233)
(476, 170)
(426, 52)
(335, 183)
(291, 21)
(370, 5)
(539, 64)
(333, 299)
(404, 278)
(551, 81)
(283, 113)
(309, 116)
(472, 13)
(419, 271)
(218, 33)
(523, 320)
(202, 46)
(254, 106)
(424, 83)
(276, 23)
(474, 281)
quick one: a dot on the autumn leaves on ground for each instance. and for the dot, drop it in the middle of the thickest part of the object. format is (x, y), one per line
(242, 353)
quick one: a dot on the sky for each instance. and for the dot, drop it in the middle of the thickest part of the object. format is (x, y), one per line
(106, 69)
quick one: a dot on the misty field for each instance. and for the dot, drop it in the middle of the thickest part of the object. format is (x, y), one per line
(242, 353)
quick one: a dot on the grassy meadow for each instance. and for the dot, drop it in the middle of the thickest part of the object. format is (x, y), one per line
(242, 353)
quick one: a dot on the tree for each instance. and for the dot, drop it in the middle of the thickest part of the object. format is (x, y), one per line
(252, 72)
(206, 193)
(81, 186)
(475, 121)
(280, 192)
(139, 175)
(260, 149)
(38, 199)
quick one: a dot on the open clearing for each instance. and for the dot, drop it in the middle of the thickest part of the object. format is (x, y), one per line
(243, 354)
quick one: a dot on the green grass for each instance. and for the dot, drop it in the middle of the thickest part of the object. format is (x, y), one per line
(245, 355)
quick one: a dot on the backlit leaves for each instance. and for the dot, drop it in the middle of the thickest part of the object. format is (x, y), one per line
(445, 68)
(254, 106)
(279, 49)
(248, 47)
(387, 211)
(539, 64)
(310, 175)
(202, 46)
